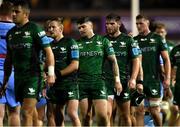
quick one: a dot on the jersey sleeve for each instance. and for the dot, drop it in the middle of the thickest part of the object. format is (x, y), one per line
(134, 48)
(163, 44)
(74, 50)
(109, 50)
(40, 36)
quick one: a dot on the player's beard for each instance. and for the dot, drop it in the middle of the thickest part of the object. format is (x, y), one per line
(111, 32)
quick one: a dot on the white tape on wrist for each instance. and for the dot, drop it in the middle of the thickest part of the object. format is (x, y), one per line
(51, 70)
(117, 79)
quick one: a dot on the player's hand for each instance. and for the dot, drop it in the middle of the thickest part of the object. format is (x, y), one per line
(168, 94)
(132, 84)
(118, 88)
(3, 89)
(166, 83)
(50, 80)
(139, 88)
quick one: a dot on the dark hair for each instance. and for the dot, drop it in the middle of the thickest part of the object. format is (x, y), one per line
(112, 16)
(22, 3)
(82, 20)
(6, 8)
(142, 17)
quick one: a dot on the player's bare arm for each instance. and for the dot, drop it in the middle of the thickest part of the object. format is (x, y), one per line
(72, 67)
(167, 68)
(116, 74)
(135, 71)
(140, 76)
(7, 73)
(50, 64)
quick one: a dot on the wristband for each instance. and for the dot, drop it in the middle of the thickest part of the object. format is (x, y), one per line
(51, 70)
(117, 79)
(139, 82)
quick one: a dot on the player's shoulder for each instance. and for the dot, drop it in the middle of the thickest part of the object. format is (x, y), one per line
(155, 35)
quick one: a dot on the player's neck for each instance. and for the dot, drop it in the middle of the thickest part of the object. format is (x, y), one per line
(90, 35)
(59, 37)
(145, 33)
(23, 23)
(116, 34)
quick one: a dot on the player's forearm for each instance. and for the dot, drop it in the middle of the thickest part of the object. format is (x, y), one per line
(49, 57)
(115, 68)
(140, 73)
(135, 68)
(167, 68)
(72, 67)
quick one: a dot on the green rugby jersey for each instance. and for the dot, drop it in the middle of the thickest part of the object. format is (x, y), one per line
(25, 46)
(151, 47)
(170, 46)
(126, 50)
(65, 50)
(93, 52)
(175, 61)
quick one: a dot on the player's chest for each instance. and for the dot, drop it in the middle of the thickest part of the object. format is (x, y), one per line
(20, 40)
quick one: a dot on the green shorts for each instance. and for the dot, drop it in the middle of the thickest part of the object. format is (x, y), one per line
(28, 88)
(152, 89)
(124, 96)
(176, 100)
(109, 86)
(92, 90)
(62, 95)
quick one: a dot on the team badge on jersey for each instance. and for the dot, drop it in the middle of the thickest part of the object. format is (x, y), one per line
(152, 40)
(122, 44)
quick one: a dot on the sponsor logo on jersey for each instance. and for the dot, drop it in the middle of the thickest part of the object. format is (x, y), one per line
(26, 34)
(135, 51)
(21, 46)
(152, 40)
(177, 54)
(143, 39)
(70, 94)
(120, 53)
(55, 47)
(17, 32)
(42, 33)
(63, 49)
(31, 91)
(99, 42)
(91, 53)
(10, 37)
(74, 47)
(88, 42)
(134, 44)
(122, 44)
(80, 46)
(75, 54)
(112, 42)
(154, 92)
(148, 49)
(126, 95)
(102, 93)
